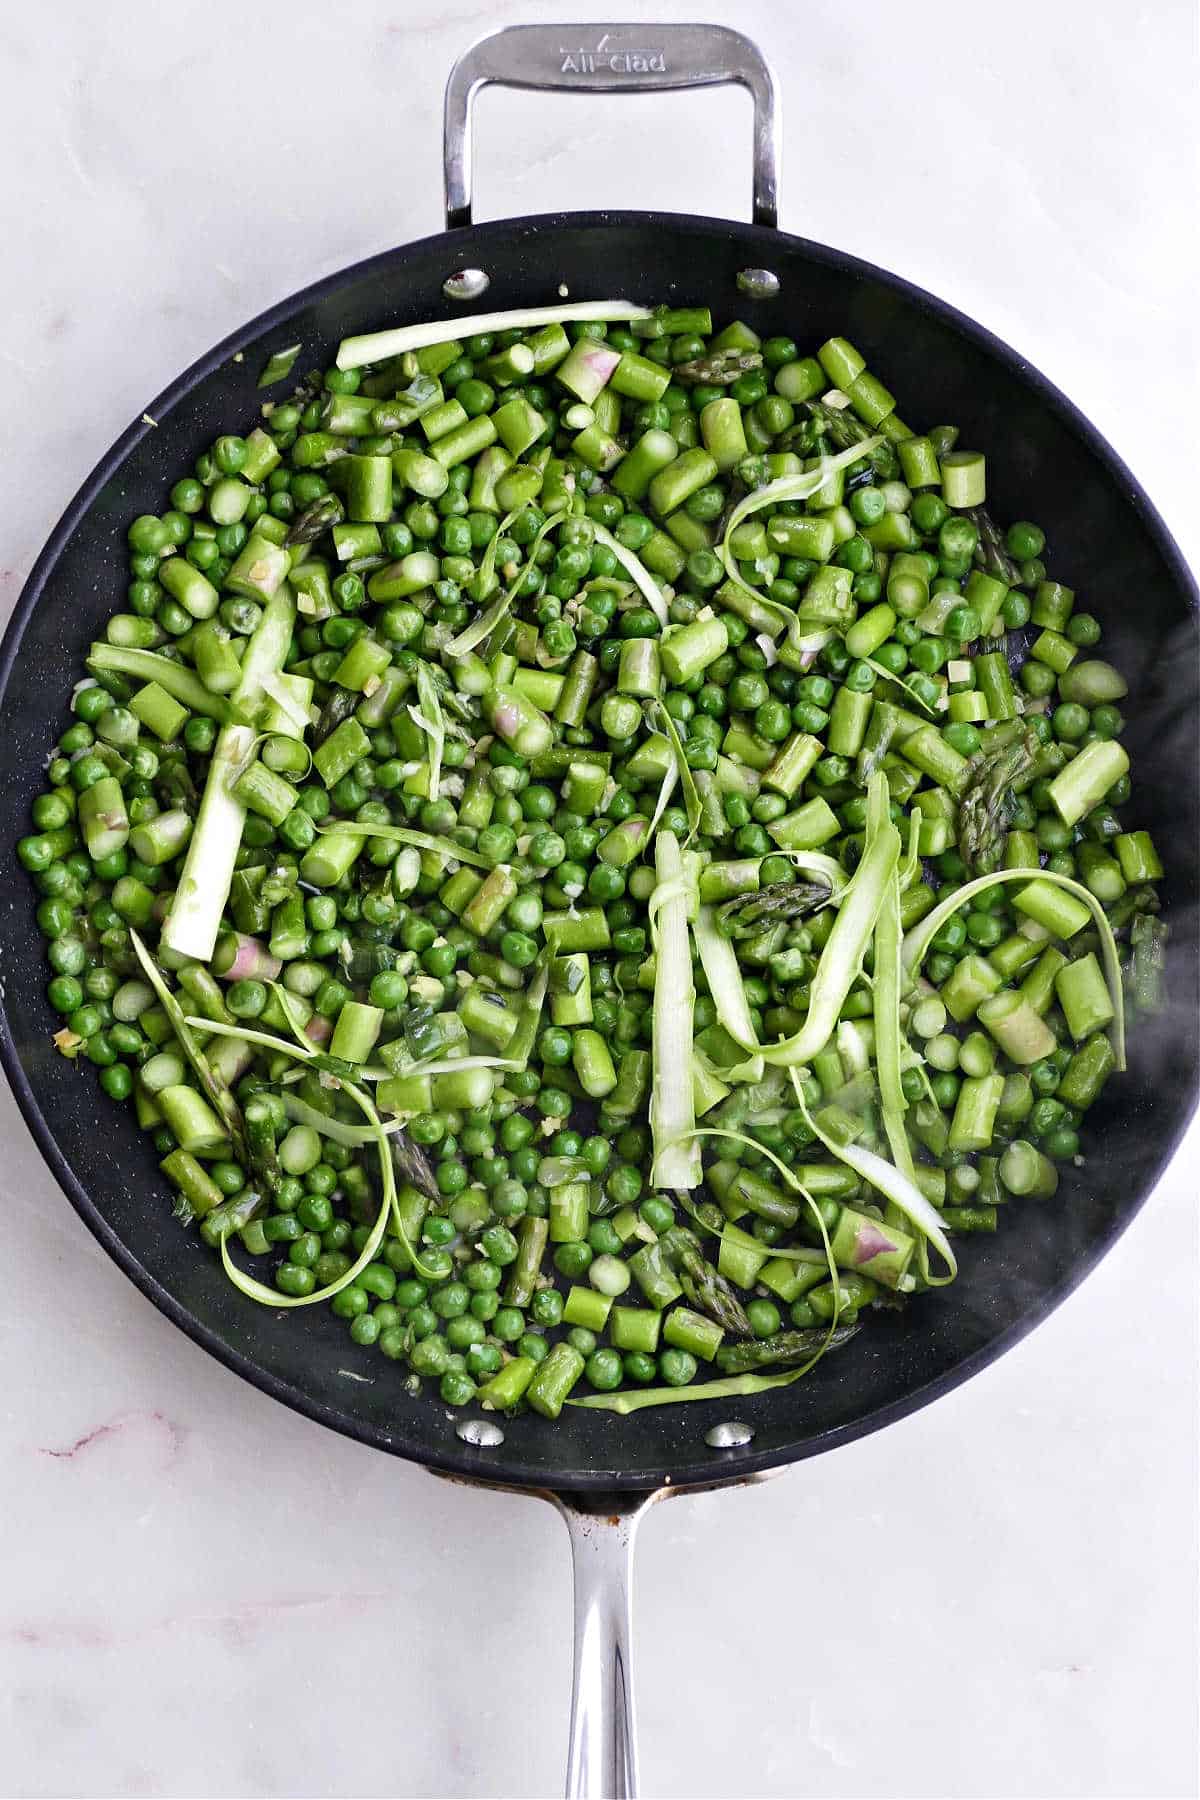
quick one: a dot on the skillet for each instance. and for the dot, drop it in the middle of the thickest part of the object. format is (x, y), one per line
(601, 1470)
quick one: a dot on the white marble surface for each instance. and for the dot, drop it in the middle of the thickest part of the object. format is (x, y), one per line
(203, 1594)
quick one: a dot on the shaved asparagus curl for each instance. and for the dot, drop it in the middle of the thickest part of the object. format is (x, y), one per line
(730, 1387)
(481, 628)
(430, 719)
(917, 943)
(389, 1206)
(379, 346)
(720, 964)
(787, 487)
(890, 1181)
(399, 834)
(842, 958)
(672, 1105)
(637, 570)
(195, 916)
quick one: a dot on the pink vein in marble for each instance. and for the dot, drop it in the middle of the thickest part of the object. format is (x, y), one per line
(169, 1434)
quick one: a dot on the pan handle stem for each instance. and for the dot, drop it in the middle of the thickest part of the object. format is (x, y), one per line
(602, 1760)
(610, 59)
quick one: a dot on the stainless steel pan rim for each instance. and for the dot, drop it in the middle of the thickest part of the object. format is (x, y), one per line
(254, 342)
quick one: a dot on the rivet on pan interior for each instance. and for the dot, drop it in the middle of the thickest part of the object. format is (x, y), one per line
(760, 284)
(728, 1436)
(483, 1433)
(466, 284)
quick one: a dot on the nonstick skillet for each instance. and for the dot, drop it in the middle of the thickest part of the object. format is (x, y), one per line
(602, 1470)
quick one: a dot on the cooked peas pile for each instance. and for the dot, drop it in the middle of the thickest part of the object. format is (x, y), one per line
(544, 484)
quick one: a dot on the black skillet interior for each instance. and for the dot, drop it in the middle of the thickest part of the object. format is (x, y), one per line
(1044, 462)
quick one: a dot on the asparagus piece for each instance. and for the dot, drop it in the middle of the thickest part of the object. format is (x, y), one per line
(337, 709)
(175, 781)
(411, 1163)
(785, 1348)
(531, 1247)
(182, 683)
(451, 699)
(260, 1141)
(844, 429)
(325, 511)
(881, 729)
(990, 553)
(986, 804)
(719, 368)
(706, 1289)
(1133, 902)
(1149, 939)
(232, 1216)
(780, 901)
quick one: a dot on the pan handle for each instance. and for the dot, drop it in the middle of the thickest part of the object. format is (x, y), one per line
(602, 1760)
(610, 59)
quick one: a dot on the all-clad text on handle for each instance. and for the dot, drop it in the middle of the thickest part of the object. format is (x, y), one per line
(610, 59)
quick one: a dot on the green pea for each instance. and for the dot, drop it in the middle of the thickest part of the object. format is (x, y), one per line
(772, 720)
(546, 1308)
(677, 1367)
(1024, 540)
(508, 1325)
(117, 1081)
(764, 1317)
(1062, 1143)
(657, 1213)
(747, 692)
(962, 737)
(573, 1259)
(1070, 721)
(623, 1184)
(639, 1367)
(867, 505)
(1107, 721)
(604, 1370)
(1037, 680)
(1083, 630)
(148, 535)
(67, 955)
(296, 1282)
(604, 1239)
(65, 994)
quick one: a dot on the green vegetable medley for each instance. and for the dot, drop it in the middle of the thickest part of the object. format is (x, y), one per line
(590, 853)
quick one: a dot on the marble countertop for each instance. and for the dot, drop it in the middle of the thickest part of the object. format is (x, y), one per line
(204, 1594)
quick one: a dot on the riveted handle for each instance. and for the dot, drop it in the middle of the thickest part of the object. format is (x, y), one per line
(610, 59)
(602, 1762)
